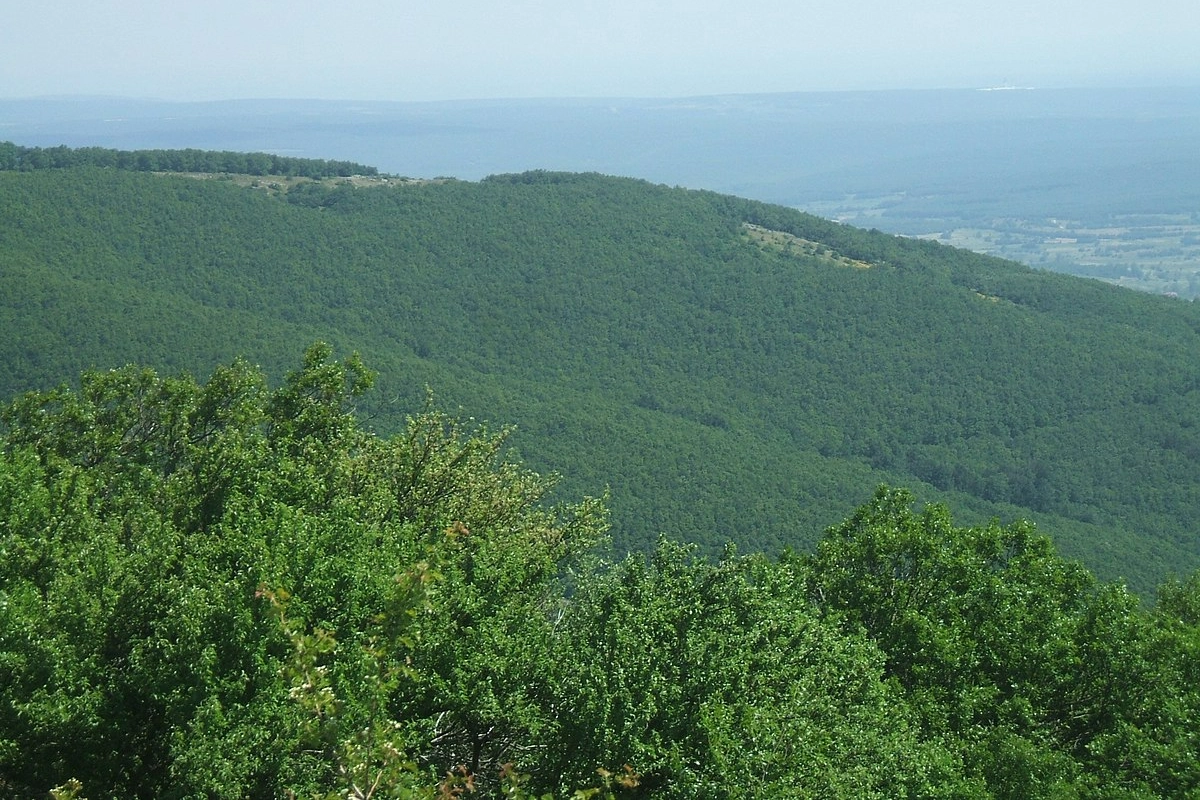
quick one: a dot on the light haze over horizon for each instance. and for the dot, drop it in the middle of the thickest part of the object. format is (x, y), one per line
(469, 49)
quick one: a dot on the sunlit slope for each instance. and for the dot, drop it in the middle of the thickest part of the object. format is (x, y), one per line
(731, 371)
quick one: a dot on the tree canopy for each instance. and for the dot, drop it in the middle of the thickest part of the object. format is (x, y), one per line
(225, 589)
(14, 157)
(730, 370)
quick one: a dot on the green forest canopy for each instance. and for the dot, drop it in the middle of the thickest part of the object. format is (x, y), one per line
(221, 589)
(19, 158)
(724, 382)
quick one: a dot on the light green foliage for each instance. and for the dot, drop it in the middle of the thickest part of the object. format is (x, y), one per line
(1046, 684)
(139, 518)
(723, 681)
(1179, 600)
(226, 590)
(368, 750)
(1132, 702)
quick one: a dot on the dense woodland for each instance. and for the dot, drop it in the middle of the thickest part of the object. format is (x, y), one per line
(20, 158)
(248, 585)
(722, 385)
(220, 589)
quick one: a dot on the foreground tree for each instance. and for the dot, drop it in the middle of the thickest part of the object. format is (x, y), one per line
(144, 523)
(225, 589)
(723, 681)
(1047, 684)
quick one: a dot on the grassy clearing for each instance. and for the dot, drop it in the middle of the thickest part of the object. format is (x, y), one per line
(795, 245)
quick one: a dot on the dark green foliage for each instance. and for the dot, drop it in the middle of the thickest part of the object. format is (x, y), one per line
(27, 159)
(724, 388)
(966, 607)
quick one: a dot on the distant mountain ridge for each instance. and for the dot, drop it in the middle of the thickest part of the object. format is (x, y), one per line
(727, 368)
(1096, 182)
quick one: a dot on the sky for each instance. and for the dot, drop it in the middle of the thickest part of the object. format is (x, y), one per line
(476, 49)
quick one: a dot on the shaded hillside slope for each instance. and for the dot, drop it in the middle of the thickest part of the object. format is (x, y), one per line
(726, 382)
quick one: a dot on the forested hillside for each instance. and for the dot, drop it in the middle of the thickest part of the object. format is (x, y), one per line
(729, 370)
(26, 159)
(218, 589)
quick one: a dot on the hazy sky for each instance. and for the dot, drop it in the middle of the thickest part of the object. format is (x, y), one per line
(458, 49)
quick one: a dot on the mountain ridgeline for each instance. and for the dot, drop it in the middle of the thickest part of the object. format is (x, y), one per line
(729, 370)
(14, 157)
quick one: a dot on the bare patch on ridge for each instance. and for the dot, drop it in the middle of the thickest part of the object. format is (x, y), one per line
(795, 245)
